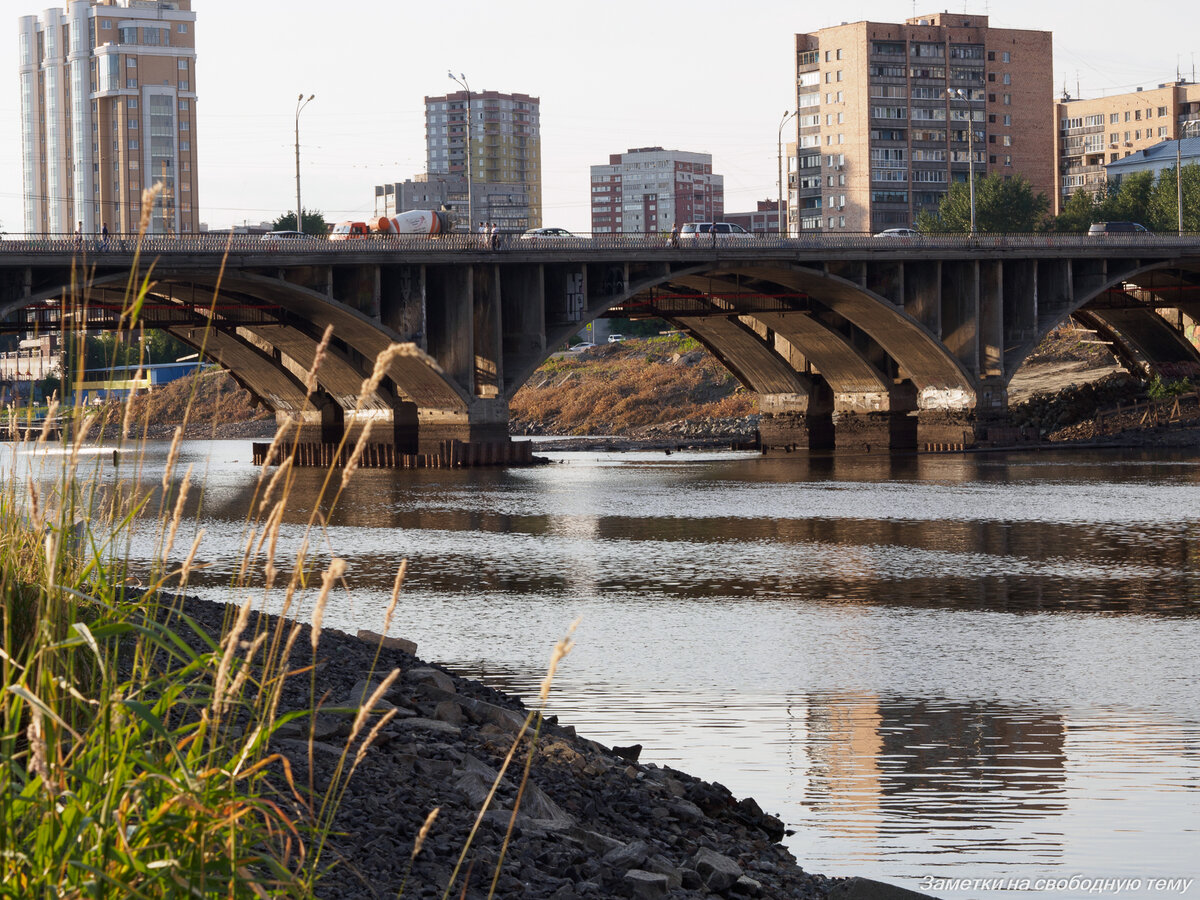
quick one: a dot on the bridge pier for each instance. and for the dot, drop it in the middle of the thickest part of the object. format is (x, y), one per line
(796, 422)
(876, 421)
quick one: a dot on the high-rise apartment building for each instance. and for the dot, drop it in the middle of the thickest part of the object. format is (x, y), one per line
(108, 107)
(506, 153)
(1093, 133)
(648, 190)
(883, 112)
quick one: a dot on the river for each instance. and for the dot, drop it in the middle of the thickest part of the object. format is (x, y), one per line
(936, 670)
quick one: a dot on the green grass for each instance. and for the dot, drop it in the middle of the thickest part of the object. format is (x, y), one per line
(136, 756)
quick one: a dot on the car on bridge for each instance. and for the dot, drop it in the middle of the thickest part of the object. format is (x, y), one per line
(723, 231)
(898, 233)
(534, 234)
(1116, 228)
(286, 236)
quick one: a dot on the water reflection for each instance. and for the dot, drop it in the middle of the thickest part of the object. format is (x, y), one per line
(963, 665)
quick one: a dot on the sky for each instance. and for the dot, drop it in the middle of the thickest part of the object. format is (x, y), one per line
(708, 76)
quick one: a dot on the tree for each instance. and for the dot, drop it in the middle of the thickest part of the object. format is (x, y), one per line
(1078, 213)
(1163, 205)
(1130, 202)
(314, 222)
(1002, 206)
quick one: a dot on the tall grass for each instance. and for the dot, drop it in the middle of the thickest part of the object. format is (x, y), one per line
(136, 755)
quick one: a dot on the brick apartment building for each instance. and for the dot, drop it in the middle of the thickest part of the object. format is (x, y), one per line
(108, 107)
(648, 190)
(883, 110)
(1094, 133)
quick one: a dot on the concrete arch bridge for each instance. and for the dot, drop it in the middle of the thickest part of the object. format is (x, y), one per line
(850, 342)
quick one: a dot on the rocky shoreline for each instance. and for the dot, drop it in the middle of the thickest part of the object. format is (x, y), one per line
(593, 822)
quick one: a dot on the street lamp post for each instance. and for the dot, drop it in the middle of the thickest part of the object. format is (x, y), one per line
(300, 104)
(462, 82)
(1183, 130)
(963, 95)
(783, 210)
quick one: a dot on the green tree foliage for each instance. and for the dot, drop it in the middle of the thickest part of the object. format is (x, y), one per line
(1002, 206)
(1131, 201)
(314, 222)
(1078, 213)
(1163, 205)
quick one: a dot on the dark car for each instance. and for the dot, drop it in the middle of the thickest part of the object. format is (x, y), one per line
(1117, 228)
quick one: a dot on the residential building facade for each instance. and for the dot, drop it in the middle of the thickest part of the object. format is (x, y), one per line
(764, 219)
(1162, 157)
(889, 115)
(506, 156)
(648, 190)
(108, 108)
(1093, 134)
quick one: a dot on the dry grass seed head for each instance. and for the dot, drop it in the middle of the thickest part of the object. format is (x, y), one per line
(172, 455)
(359, 447)
(382, 361)
(149, 196)
(424, 832)
(310, 380)
(337, 568)
(374, 733)
(365, 710)
(561, 649)
(178, 513)
(399, 582)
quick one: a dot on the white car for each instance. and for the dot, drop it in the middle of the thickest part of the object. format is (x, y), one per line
(898, 233)
(534, 234)
(616, 338)
(720, 230)
(581, 346)
(286, 236)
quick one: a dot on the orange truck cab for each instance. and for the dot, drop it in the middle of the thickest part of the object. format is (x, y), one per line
(344, 231)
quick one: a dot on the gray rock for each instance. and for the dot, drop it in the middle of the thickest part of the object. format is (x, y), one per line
(388, 643)
(746, 887)
(645, 885)
(423, 724)
(449, 711)
(433, 678)
(629, 856)
(719, 873)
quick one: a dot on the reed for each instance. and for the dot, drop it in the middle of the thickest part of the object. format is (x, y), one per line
(136, 749)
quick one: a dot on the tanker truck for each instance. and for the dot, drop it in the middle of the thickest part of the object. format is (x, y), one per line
(415, 221)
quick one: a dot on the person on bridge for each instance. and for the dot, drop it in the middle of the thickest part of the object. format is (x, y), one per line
(675, 235)
(104, 236)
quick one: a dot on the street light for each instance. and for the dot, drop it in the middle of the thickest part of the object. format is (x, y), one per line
(300, 104)
(963, 95)
(1184, 129)
(461, 81)
(783, 210)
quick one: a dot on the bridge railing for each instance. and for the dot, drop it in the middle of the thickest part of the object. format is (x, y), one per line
(252, 244)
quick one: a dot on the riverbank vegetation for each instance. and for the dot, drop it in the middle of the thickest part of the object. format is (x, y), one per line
(138, 748)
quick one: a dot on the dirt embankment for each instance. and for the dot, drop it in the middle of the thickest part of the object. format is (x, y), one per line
(211, 402)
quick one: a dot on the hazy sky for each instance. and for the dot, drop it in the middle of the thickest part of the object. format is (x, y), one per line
(711, 76)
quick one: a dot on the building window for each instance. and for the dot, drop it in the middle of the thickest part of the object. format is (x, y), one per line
(183, 84)
(839, 54)
(133, 124)
(131, 103)
(185, 145)
(133, 144)
(183, 64)
(1008, 120)
(131, 62)
(131, 84)
(1008, 99)
(1162, 111)
(183, 124)
(185, 104)
(1008, 161)
(182, 28)
(1007, 57)
(1007, 78)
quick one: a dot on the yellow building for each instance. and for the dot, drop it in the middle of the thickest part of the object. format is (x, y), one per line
(1093, 133)
(108, 107)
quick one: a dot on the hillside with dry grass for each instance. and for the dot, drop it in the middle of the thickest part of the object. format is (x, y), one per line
(219, 407)
(626, 387)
